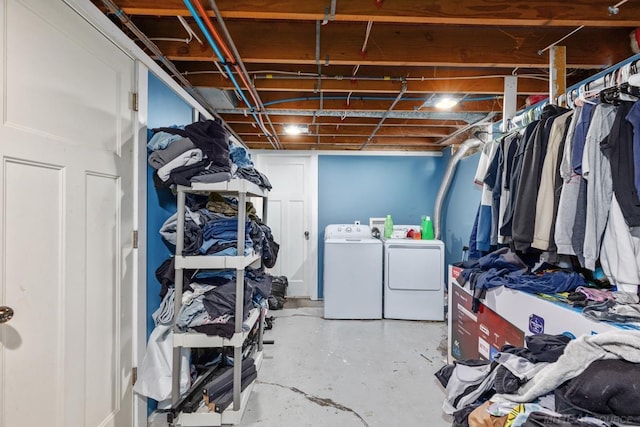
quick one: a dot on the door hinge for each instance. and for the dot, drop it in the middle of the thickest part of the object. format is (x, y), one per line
(134, 375)
(134, 238)
(134, 101)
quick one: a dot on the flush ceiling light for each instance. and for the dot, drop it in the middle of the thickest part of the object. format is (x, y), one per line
(295, 129)
(446, 103)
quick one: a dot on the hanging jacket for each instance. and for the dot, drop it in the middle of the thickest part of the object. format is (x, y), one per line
(580, 136)
(514, 179)
(550, 186)
(511, 143)
(618, 148)
(526, 197)
(566, 213)
(597, 172)
(483, 238)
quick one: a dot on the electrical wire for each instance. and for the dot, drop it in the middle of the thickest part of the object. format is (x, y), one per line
(171, 39)
(363, 51)
(366, 36)
(292, 73)
(615, 9)
(385, 115)
(220, 70)
(541, 51)
(188, 28)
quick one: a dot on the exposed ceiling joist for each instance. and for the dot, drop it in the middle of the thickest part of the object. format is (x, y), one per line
(592, 13)
(401, 45)
(342, 87)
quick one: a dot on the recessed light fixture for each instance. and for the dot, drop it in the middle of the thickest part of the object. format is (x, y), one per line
(446, 103)
(295, 129)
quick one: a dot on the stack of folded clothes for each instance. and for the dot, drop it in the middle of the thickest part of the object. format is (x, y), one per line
(201, 152)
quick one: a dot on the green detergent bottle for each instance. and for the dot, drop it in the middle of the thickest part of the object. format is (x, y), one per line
(388, 227)
(426, 228)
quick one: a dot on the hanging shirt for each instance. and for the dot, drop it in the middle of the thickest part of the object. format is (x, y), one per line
(597, 172)
(510, 146)
(620, 255)
(493, 181)
(580, 137)
(514, 180)
(618, 148)
(634, 118)
(550, 183)
(526, 197)
(483, 238)
(566, 215)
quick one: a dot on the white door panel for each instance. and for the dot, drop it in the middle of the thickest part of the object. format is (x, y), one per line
(67, 212)
(297, 247)
(36, 294)
(290, 218)
(102, 342)
(43, 81)
(275, 222)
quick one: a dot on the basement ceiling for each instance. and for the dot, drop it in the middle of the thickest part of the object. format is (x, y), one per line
(367, 75)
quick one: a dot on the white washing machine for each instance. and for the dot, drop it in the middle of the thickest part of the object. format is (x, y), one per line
(352, 273)
(414, 279)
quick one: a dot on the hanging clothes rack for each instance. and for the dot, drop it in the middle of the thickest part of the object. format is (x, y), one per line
(612, 76)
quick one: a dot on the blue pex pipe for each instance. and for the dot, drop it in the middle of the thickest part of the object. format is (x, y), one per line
(215, 48)
(223, 62)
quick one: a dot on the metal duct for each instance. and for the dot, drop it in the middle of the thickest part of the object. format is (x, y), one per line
(426, 115)
(448, 177)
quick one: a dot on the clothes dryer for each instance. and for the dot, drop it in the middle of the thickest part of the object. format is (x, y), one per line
(352, 273)
(414, 279)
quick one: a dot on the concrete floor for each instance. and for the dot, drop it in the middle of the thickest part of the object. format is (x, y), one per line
(348, 372)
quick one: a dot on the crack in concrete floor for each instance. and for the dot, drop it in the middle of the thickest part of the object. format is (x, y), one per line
(326, 402)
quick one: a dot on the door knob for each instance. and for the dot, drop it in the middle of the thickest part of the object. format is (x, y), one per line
(6, 313)
(306, 235)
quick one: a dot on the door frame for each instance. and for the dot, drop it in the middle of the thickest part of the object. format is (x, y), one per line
(139, 332)
(313, 206)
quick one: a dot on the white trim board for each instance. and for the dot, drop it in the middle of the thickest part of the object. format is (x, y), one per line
(139, 333)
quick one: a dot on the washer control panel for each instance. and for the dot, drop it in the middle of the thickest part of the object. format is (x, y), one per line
(342, 231)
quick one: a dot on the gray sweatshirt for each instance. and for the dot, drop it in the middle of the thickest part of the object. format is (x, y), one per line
(597, 171)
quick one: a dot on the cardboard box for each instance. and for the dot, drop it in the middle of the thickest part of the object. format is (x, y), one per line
(506, 316)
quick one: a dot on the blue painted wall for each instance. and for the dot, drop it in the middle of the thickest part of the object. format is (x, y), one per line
(359, 187)
(165, 109)
(459, 208)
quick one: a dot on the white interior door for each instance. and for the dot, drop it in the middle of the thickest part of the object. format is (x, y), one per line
(290, 219)
(66, 210)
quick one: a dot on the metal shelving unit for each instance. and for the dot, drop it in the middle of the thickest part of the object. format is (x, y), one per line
(241, 189)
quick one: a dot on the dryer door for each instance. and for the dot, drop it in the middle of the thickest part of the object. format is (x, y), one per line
(414, 267)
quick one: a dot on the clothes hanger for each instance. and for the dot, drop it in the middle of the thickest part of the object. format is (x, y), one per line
(610, 95)
(622, 92)
(629, 89)
(585, 96)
